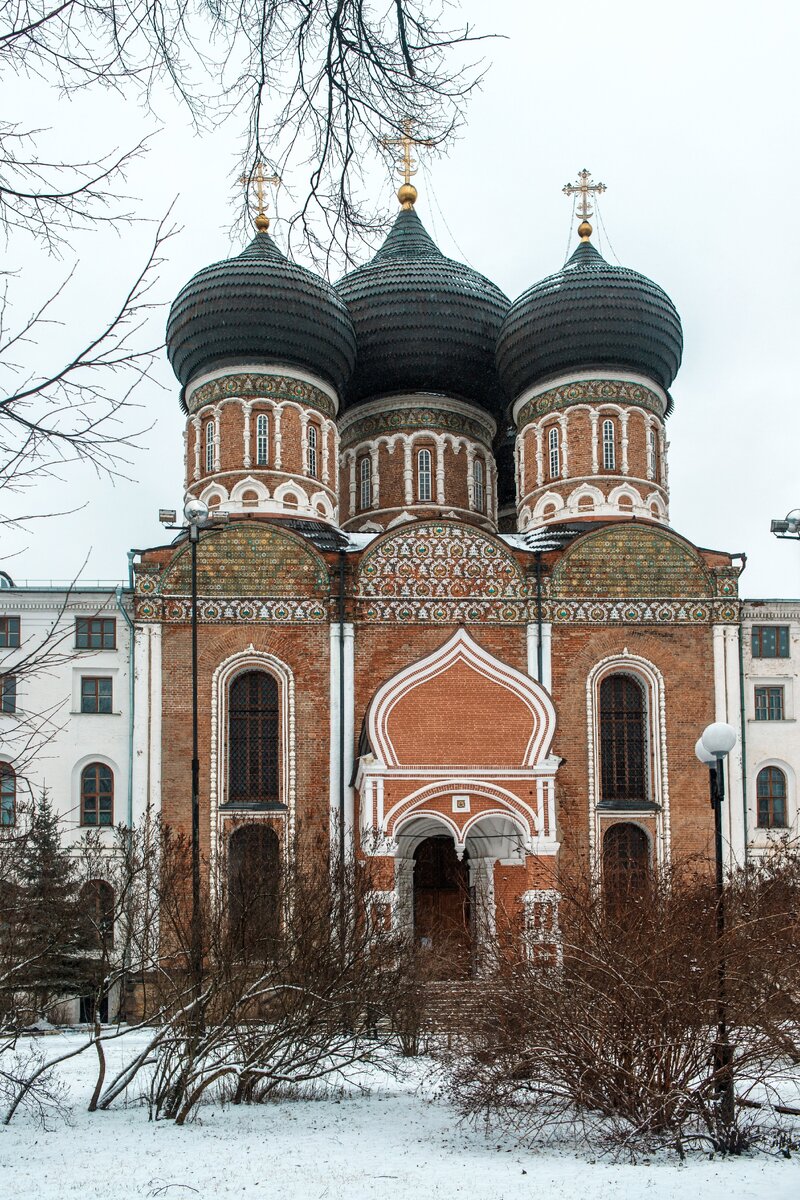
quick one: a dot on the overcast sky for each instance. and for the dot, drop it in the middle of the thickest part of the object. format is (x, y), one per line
(688, 112)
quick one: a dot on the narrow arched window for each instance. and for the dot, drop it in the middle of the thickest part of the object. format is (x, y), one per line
(626, 861)
(623, 741)
(253, 883)
(609, 451)
(262, 439)
(312, 451)
(253, 739)
(8, 795)
(655, 465)
(424, 475)
(365, 481)
(771, 795)
(479, 486)
(97, 795)
(209, 446)
(97, 913)
(554, 453)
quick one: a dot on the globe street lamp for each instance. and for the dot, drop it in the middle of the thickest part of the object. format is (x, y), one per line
(712, 748)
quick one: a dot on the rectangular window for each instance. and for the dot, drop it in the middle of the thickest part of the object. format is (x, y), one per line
(262, 439)
(8, 693)
(770, 641)
(769, 703)
(96, 694)
(95, 633)
(9, 632)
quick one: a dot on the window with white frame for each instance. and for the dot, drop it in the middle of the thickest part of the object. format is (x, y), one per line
(609, 450)
(262, 439)
(554, 452)
(623, 741)
(209, 446)
(312, 451)
(652, 453)
(771, 796)
(479, 486)
(365, 480)
(424, 475)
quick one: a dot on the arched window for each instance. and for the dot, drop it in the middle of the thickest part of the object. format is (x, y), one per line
(585, 504)
(609, 453)
(424, 475)
(479, 486)
(97, 913)
(771, 795)
(365, 479)
(253, 739)
(253, 881)
(623, 741)
(312, 451)
(97, 795)
(652, 453)
(554, 452)
(626, 861)
(8, 795)
(625, 504)
(262, 439)
(209, 446)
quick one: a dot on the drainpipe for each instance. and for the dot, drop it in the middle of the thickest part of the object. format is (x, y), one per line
(539, 659)
(341, 615)
(743, 718)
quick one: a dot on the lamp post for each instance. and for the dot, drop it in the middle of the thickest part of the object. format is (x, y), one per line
(712, 748)
(788, 526)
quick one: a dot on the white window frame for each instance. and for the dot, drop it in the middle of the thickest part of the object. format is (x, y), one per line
(365, 483)
(554, 452)
(609, 446)
(262, 440)
(479, 486)
(311, 451)
(424, 476)
(210, 445)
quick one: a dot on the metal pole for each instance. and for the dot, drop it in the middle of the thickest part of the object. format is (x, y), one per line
(723, 1056)
(196, 942)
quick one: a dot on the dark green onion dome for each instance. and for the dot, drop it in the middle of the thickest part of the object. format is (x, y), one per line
(589, 314)
(423, 322)
(259, 307)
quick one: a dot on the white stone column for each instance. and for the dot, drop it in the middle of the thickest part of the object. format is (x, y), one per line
(326, 429)
(408, 470)
(351, 454)
(594, 417)
(197, 426)
(471, 477)
(650, 441)
(303, 442)
(533, 657)
(375, 460)
(278, 438)
(440, 492)
(735, 789)
(539, 455)
(563, 421)
(247, 409)
(349, 726)
(217, 438)
(624, 427)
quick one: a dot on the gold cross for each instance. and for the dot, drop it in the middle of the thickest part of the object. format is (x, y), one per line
(258, 179)
(584, 189)
(407, 193)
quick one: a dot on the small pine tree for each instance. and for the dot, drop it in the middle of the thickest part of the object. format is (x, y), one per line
(49, 935)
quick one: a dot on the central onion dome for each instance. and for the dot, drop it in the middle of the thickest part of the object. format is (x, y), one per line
(423, 322)
(589, 314)
(260, 307)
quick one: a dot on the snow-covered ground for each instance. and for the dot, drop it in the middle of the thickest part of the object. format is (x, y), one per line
(397, 1140)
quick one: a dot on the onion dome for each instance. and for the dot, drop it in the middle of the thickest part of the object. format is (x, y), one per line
(589, 314)
(260, 307)
(423, 322)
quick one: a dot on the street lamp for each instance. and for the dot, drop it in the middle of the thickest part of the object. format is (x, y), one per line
(712, 748)
(788, 527)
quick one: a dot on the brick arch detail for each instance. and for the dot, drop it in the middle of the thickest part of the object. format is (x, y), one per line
(462, 649)
(499, 800)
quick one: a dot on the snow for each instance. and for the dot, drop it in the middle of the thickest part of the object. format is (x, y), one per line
(399, 1139)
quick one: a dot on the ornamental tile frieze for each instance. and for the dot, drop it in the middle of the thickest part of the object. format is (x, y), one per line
(590, 391)
(439, 561)
(267, 387)
(665, 611)
(285, 610)
(443, 611)
(407, 420)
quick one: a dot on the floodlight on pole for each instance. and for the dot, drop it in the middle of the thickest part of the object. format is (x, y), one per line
(788, 526)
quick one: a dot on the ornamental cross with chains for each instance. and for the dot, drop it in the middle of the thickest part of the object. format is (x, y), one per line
(584, 188)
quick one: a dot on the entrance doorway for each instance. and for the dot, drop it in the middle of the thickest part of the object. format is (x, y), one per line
(443, 907)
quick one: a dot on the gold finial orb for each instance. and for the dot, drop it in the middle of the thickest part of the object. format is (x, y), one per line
(261, 222)
(584, 231)
(407, 195)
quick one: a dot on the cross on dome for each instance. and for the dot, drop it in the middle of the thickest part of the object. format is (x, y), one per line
(407, 193)
(584, 188)
(257, 179)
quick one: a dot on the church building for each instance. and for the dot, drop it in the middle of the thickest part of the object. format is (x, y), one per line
(447, 611)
